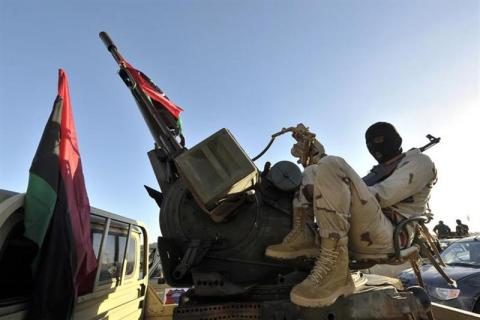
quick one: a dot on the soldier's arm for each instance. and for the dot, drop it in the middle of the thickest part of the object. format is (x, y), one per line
(409, 178)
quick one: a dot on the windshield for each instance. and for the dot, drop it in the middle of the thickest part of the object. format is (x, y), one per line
(463, 253)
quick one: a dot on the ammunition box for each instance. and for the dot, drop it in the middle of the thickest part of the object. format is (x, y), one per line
(216, 168)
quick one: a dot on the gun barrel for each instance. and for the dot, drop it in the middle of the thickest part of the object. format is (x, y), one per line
(433, 141)
(111, 47)
(159, 130)
(107, 40)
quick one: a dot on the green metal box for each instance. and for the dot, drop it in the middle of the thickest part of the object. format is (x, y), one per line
(216, 168)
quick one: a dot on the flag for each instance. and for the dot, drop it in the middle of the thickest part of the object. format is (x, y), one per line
(57, 216)
(156, 95)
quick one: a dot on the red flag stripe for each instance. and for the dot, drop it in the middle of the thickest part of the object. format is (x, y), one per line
(77, 198)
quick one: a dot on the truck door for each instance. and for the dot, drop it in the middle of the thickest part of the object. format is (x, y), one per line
(121, 281)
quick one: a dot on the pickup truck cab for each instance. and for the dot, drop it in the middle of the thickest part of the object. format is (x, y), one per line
(122, 275)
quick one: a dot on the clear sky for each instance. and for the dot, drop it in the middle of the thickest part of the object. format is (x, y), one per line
(253, 67)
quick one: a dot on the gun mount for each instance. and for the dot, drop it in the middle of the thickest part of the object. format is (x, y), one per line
(218, 213)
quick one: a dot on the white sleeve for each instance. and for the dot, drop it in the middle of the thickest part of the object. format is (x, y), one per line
(409, 178)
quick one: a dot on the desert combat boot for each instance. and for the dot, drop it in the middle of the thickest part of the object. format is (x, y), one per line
(329, 279)
(300, 241)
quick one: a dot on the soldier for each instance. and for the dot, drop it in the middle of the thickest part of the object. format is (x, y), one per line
(351, 215)
(461, 229)
(442, 230)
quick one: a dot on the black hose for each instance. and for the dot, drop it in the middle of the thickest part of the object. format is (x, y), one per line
(284, 130)
(264, 150)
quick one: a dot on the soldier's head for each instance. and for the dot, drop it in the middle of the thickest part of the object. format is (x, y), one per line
(459, 221)
(440, 222)
(383, 141)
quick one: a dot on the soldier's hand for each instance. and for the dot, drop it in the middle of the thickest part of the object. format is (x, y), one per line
(308, 149)
(300, 132)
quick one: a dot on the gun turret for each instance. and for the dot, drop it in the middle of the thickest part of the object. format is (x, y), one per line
(218, 213)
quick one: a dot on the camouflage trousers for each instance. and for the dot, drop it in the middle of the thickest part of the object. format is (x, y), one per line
(343, 206)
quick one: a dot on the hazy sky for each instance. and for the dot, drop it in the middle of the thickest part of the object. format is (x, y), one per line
(250, 66)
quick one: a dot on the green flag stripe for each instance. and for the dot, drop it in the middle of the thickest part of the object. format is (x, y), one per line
(39, 200)
(180, 124)
(43, 181)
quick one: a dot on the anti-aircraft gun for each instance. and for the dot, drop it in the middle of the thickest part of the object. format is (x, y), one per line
(218, 213)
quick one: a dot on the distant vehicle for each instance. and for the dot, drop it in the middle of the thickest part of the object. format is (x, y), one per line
(445, 243)
(463, 265)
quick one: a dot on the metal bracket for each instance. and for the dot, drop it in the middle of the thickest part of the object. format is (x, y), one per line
(196, 250)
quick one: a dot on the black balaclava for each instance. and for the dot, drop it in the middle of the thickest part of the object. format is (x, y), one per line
(383, 141)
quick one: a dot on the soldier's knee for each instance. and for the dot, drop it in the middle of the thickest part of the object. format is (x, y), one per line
(332, 162)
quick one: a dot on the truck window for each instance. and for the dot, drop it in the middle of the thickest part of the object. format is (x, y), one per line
(97, 227)
(96, 241)
(141, 237)
(113, 253)
(132, 245)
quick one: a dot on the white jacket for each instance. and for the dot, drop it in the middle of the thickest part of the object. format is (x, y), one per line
(407, 189)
